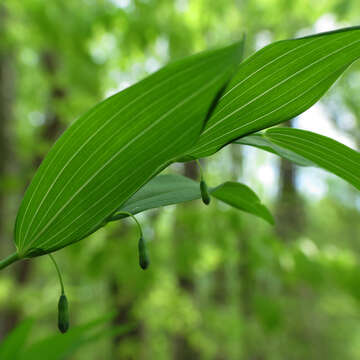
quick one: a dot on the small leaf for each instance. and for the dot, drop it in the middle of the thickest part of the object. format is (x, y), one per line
(162, 190)
(243, 198)
(326, 153)
(277, 83)
(173, 189)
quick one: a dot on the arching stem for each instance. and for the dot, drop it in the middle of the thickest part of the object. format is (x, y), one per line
(9, 260)
(59, 274)
(144, 260)
(119, 215)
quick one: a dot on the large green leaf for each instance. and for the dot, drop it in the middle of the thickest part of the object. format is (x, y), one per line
(320, 150)
(260, 141)
(115, 148)
(277, 83)
(173, 189)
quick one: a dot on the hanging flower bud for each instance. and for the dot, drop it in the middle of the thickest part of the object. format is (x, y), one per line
(204, 192)
(63, 314)
(144, 260)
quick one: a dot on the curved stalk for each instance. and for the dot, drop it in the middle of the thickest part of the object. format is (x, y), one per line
(9, 260)
(59, 274)
(120, 215)
(144, 260)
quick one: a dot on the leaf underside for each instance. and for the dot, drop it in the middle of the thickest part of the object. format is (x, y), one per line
(322, 151)
(170, 189)
(260, 141)
(306, 148)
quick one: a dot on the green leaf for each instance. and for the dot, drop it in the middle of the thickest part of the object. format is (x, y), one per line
(277, 83)
(13, 344)
(261, 142)
(321, 150)
(114, 149)
(161, 191)
(172, 189)
(243, 198)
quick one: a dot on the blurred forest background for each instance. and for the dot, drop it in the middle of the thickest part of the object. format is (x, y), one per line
(222, 285)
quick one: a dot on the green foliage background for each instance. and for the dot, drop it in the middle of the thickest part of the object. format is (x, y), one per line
(222, 285)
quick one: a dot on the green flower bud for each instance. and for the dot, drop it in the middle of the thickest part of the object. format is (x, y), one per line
(63, 314)
(144, 260)
(204, 192)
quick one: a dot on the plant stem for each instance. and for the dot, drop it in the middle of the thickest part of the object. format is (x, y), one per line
(59, 274)
(9, 260)
(119, 215)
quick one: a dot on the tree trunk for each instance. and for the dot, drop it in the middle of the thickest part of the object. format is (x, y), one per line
(123, 317)
(182, 348)
(289, 212)
(6, 118)
(6, 115)
(49, 133)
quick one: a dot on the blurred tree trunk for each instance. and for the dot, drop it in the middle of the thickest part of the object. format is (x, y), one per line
(123, 306)
(6, 118)
(124, 316)
(245, 273)
(220, 292)
(6, 115)
(289, 210)
(247, 286)
(290, 224)
(53, 125)
(182, 348)
(49, 133)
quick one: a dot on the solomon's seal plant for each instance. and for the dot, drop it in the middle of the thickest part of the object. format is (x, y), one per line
(105, 166)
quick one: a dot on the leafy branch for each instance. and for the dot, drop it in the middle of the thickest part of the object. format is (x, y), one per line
(103, 168)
